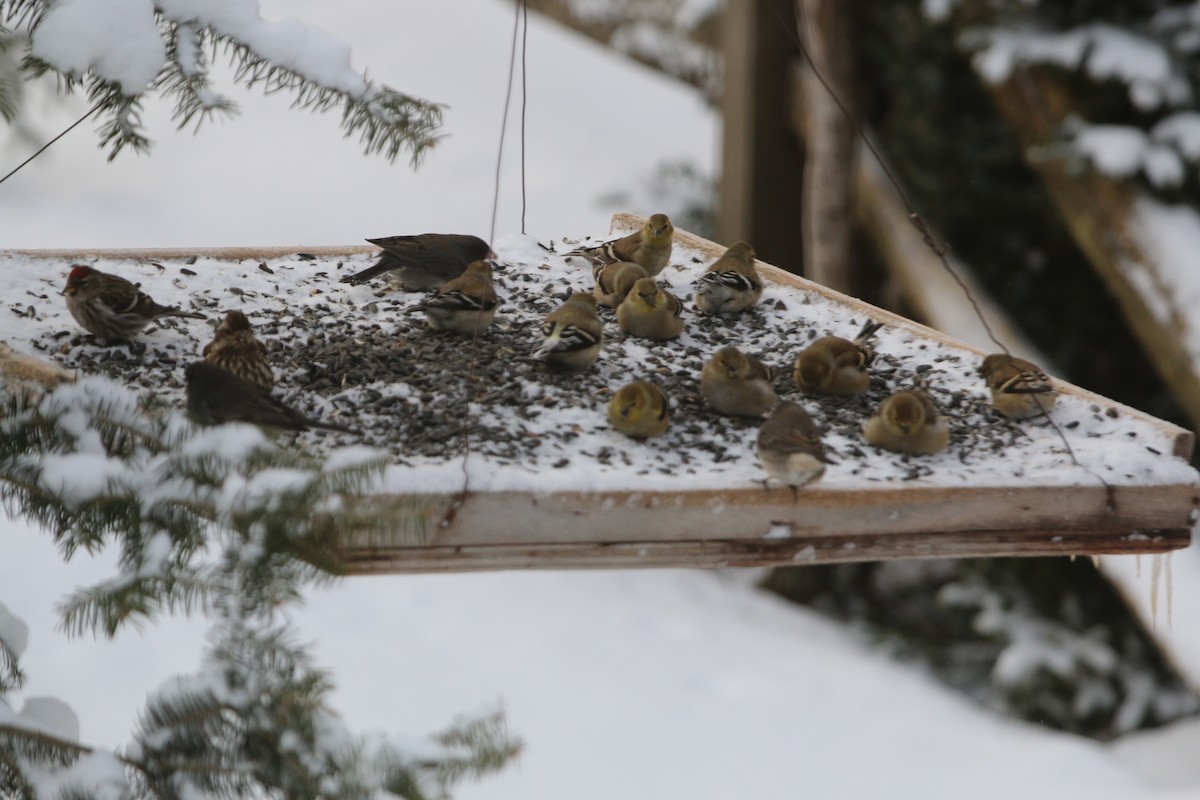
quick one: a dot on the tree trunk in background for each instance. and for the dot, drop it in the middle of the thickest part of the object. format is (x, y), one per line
(759, 199)
(828, 190)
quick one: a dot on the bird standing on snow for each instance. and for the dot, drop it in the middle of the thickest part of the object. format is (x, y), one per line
(650, 247)
(424, 261)
(234, 348)
(790, 448)
(833, 365)
(462, 305)
(907, 422)
(216, 396)
(613, 282)
(650, 312)
(1019, 388)
(731, 284)
(737, 384)
(572, 334)
(110, 307)
(639, 410)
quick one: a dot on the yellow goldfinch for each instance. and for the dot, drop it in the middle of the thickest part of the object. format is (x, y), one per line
(833, 365)
(613, 282)
(639, 410)
(462, 305)
(790, 448)
(737, 384)
(572, 334)
(908, 422)
(731, 284)
(650, 247)
(650, 312)
(1019, 388)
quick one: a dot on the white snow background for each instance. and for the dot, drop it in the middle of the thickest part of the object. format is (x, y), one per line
(646, 684)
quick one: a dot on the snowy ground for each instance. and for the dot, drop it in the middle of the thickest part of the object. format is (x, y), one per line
(646, 684)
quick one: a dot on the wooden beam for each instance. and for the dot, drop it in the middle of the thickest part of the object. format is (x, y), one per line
(1098, 212)
(714, 554)
(220, 253)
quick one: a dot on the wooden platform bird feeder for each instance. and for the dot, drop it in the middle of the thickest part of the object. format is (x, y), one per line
(550, 486)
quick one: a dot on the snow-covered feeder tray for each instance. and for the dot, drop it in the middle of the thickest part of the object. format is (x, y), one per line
(549, 485)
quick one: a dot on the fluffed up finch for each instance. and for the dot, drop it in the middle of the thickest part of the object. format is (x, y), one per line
(216, 396)
(572, 334)
(1018, 387)
(731, 284)
(790, 448)
(833, 365)
(462, 305)
(613, 282)
(650, 312)
(649, 247)
(907, 422)
(234, 348)
(110, 307)
(639, 410)
(737, 384)
(424, 261)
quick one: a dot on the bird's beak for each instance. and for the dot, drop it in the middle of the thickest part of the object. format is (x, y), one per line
(905, 427)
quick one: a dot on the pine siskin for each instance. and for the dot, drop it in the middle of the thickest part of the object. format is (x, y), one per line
(613, 282)
(234, 348)
(731, 284)
(639, 410)
(216, 396)
(833, 365)
(790, 448)
(424, 261)
(907, 422)
(110, 307)
(737, 384)
(572, 334)
(650, 312)
(650, 247)
(1019, 388)
(462, 305)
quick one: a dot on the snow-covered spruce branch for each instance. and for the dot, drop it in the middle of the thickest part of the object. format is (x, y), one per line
(216, 520)
(193, 513)
(253, 722)
(122, 50)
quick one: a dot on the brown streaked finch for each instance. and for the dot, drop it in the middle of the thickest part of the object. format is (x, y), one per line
(234, 348)
(110, 307)
(216, 396)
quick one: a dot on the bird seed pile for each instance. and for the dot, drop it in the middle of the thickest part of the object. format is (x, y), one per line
(352, 354)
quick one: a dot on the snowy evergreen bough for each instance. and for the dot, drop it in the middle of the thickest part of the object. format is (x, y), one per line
(215, 521)
(122, 50)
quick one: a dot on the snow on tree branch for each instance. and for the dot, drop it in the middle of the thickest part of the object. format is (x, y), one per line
(216, 520)
(122, 50)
